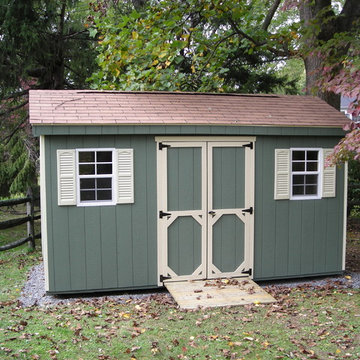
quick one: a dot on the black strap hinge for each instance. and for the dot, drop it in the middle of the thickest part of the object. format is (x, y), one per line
(162, 278)
(249, 272)
(162, 146)
(162, 214)
(249, 210)
(250, 145)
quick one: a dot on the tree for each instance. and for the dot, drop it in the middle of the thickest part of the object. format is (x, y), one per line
(186, 45)
(43, 45)
(217, 45)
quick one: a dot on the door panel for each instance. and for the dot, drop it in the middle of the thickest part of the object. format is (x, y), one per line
(228, 243)
(184, 178)
(228, 189)
(184, 245)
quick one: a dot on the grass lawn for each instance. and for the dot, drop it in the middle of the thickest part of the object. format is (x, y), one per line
(304, 324)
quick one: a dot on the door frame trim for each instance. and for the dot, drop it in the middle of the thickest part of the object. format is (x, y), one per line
(161, 183)
(196, 138)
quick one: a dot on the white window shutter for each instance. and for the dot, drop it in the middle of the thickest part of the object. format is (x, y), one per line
(328, 177)
(66, 170)
(282, 174)
(125, 176)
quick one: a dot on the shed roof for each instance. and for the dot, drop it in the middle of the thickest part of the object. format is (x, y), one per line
(87, 107)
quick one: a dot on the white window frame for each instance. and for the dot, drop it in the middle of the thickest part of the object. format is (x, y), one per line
(319, 173)
(78, 177)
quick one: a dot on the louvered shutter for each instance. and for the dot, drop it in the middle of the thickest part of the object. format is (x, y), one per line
(66, 170)
(328, 177)
(282, 174)
(125, 176)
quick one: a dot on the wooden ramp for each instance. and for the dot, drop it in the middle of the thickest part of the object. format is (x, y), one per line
(217, 292)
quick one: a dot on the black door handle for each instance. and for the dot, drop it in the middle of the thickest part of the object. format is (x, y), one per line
(212, 213)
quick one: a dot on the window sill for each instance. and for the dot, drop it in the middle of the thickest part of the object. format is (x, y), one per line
(97, 203)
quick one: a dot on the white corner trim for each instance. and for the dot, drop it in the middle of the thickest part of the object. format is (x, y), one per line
(44, 236)
(345, 214)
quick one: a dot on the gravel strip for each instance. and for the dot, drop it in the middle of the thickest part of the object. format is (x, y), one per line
(33, 293)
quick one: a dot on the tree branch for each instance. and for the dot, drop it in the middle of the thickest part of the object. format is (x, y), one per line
(72, 35)
(270, 15)
(7, 138)
(9, 111)
(15, 95)
(277, 52)
(214, 49)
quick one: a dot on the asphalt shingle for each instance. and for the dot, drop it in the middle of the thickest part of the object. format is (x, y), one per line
(74, 107)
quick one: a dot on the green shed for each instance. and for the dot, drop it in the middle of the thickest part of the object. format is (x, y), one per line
(142, 187)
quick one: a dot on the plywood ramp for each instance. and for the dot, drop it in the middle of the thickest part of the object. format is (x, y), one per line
(218, 292)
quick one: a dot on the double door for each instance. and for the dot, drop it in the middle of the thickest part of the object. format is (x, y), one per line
(205, 207)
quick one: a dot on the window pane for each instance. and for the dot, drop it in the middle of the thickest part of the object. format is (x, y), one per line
(299, 179)
(298, 155)
(104, 156)
(87, 169)
(311, 179)
(312, 166)
(87, 183)
(104, 183)
(312, 155)
(87, 195)
(104, 194)
(86, 156)
(298, 166)
(298, 190)
(311, 190)
(104, 169)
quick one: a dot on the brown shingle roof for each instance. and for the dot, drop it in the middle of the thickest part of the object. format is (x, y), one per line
(83, 107)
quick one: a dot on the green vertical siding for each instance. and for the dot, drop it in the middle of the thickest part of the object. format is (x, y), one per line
(115, 247)
(228, 177)
(103, 247)
(295, 237)
(184, 245)
(228, 243)
(184, 178)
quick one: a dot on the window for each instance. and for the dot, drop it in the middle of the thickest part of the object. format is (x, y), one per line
(300, 174)
(95, 176)
(305, 173)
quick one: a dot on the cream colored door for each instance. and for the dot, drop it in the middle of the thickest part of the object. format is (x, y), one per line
(230, 209)
(205, 207)
(182, 216)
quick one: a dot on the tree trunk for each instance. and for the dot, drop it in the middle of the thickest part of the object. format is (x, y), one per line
(313, 63)
(58, 70)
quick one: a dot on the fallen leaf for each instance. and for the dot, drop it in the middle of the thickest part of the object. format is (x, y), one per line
(248, 338)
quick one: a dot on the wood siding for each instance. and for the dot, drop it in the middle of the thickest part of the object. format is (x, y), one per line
(105, 247)
(115, 247)
(184, 130)
(295, 238)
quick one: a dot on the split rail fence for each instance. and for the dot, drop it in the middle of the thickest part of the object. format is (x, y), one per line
(30, 219)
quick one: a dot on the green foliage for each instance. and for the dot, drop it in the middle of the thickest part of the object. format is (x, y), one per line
(44, 44)
(17, 171)
(189, 46)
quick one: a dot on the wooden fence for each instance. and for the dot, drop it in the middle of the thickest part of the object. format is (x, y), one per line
(29, 219)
